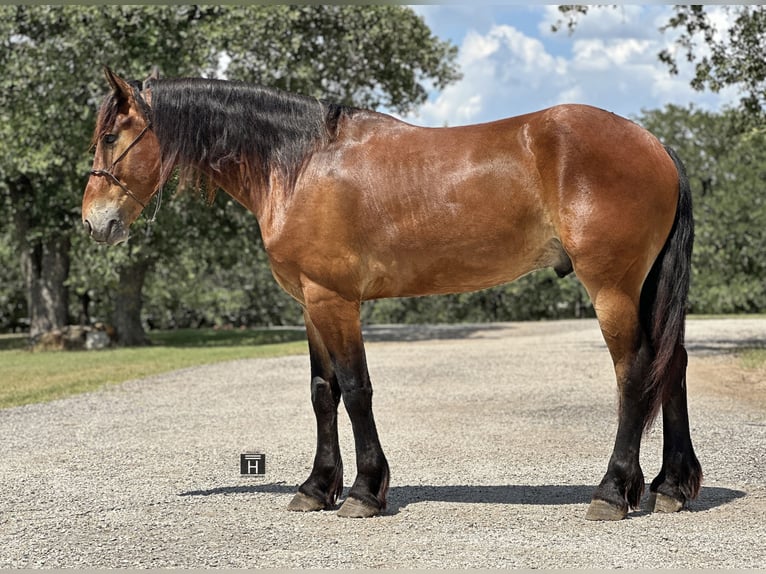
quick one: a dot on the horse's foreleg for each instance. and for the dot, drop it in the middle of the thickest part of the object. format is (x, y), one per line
(325, 483)
(337, 322)
(623, 484)
(680, 478)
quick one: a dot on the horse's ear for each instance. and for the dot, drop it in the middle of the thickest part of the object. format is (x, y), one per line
(120, 87)
(155, 75)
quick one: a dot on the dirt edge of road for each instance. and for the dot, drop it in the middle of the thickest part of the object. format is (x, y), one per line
(725, 375)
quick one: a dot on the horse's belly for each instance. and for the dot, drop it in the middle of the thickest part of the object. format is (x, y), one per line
(458, 267)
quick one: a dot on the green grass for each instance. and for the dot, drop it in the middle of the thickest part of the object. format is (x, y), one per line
(32, 377)
(753, 358)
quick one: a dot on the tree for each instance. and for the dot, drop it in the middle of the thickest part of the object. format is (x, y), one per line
(223, 279)
(12, 297)
(725, 156)
(733, 57)
(724, 152)
(51, 85)
(367, 56)
(539, 295)
(35, 153)
(736, 56)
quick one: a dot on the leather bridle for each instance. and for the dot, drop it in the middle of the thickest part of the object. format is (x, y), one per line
(109, 173)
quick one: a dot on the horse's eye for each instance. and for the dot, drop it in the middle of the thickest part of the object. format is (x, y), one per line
(109, 139)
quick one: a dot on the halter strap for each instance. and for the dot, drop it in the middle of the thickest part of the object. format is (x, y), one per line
(109, 173)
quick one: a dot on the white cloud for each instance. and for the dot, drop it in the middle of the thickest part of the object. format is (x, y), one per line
(610, 61)
(601, 22)
(496, 66)
(476, 47)
(599, 54)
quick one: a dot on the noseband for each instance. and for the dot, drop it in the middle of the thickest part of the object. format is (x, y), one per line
(109, 173)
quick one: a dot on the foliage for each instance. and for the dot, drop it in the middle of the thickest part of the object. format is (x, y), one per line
(51, 85)
(206, 263)
(355, 55)
(12, 301)
(50, 88)
(724, 152)
(725, 156)
(570, 17)
(734, 57)
(217, 279)
(722, 57)
(540, 295)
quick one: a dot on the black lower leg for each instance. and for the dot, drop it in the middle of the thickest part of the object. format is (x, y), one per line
(623, 484)
(337, 324)
(681, 474)
(371, 483)
(324, 484)
(368, 493)
(326, 480)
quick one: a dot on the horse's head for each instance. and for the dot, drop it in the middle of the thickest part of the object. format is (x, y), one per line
(126, 166)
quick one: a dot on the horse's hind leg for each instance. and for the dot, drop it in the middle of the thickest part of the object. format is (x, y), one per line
(681, 475)
(337, 322)
(325, 483)
(623, 484)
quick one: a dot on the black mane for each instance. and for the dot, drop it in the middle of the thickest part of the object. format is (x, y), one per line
(206, 126)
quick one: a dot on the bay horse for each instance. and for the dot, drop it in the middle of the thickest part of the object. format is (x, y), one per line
(356, 205)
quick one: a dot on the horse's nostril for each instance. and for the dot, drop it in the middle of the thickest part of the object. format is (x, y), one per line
(88, 226)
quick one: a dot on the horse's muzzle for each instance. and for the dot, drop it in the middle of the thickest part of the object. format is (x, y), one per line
(105, 229)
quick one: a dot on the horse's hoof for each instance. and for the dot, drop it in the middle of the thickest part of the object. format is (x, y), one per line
(353, 508)
(602, 510)
(659, 502)
(305, 503)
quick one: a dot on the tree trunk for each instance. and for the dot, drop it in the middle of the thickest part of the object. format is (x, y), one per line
(44, 266)
(128, 304)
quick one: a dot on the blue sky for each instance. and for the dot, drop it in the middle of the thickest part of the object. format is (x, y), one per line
(512, 63)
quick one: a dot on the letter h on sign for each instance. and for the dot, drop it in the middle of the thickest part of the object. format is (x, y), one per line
(252, 463)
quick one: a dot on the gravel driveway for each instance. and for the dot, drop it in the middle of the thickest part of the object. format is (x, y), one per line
(496, 436)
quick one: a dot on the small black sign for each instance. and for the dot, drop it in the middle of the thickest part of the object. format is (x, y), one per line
(252, 463)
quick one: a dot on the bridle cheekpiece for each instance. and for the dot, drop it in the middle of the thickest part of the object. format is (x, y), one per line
(109, 173)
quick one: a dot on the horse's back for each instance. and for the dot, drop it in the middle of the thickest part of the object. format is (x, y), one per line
(403, 210)
(455, 209)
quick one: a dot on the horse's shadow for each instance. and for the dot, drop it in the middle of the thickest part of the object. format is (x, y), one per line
(400, 497)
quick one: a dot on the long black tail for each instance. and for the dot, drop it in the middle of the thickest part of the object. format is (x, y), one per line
(664, 299)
